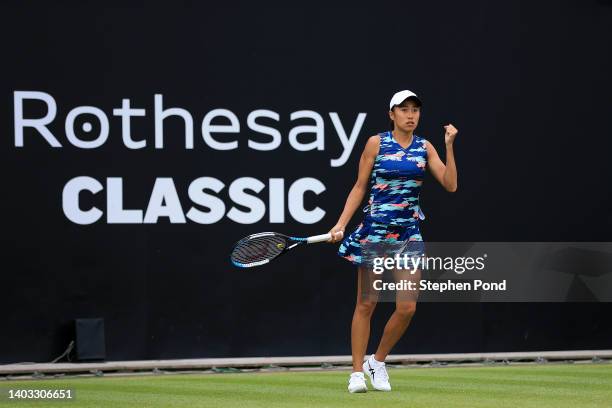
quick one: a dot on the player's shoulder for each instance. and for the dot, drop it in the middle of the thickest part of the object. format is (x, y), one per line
(421, 139)
(372, 146)
(374, 139)
(425, 144)
(373, 142)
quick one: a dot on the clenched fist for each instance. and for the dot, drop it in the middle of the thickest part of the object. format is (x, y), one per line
(451, 132)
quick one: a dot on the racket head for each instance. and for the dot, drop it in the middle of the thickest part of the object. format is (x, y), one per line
(259, 249)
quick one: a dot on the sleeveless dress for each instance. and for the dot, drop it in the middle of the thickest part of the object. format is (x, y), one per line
(393, 212)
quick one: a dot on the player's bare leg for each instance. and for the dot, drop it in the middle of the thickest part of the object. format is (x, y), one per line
(405, 307)
(360, 328)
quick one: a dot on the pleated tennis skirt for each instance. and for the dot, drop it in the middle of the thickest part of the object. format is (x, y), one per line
(375, 239)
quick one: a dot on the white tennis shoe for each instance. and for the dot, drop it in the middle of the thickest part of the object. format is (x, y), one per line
(357, 383)
(377, 373)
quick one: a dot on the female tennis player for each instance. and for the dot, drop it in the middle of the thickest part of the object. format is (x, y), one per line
(394, 164)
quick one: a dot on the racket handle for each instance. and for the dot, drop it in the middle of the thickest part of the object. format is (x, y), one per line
(322, 238)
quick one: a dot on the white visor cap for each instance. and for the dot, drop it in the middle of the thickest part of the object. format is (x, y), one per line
(401, 96)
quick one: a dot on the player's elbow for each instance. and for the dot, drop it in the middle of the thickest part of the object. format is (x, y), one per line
(451, 188)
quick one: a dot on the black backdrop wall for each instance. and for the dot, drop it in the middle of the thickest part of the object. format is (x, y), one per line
(526, 83)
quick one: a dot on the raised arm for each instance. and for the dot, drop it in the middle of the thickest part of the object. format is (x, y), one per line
(360, 188)
(446, 174)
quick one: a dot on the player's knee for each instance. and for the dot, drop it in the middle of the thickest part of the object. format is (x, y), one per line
(365, 308)
(406, 310)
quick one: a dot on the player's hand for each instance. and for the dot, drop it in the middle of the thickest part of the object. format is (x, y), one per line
(449, 135)
(337, 233)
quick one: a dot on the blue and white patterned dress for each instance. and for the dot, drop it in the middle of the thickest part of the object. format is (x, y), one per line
(393, 212)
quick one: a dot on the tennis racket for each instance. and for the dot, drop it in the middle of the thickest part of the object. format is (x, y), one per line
(259, 249)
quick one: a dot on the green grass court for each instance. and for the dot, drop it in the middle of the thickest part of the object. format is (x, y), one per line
(553, 385)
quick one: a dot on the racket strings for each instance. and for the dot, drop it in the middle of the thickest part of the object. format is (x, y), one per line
(258, 249)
